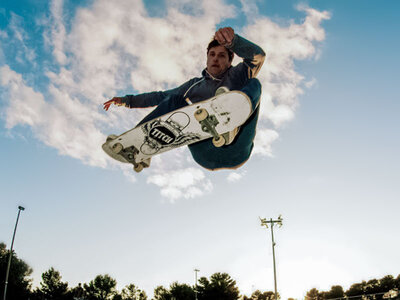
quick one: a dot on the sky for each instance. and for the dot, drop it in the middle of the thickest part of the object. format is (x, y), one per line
(325, 155)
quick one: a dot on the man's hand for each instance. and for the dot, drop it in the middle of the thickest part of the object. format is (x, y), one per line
(115, 101)
(225, 36)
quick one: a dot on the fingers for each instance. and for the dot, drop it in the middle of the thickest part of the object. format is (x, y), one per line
(225, 36)
(106, 106)
(108, 103)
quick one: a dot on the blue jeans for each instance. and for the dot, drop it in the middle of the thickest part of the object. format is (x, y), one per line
(236, 154)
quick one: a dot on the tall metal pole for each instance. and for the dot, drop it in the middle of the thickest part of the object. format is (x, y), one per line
(10, 254)
(265, 223)
(195, 291)
(273, 256)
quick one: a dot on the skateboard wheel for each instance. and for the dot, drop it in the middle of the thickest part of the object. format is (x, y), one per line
(117, 148)
(138, 168)
(200, 114)
(221, 90)
(111, 137)
(218, 142)
(146, 163)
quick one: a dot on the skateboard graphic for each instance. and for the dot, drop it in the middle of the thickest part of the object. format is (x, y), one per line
(211, 118)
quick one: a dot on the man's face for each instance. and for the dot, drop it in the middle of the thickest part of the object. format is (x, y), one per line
(217, 60)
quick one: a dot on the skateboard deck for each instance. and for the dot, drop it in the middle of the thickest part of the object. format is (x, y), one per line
(206, 119)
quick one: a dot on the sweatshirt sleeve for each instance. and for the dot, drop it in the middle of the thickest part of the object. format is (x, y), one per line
(252, 54)
(154, 98)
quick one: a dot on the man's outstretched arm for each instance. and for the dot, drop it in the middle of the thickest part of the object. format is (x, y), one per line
(146, 99)
(252, 54)
(136, 101)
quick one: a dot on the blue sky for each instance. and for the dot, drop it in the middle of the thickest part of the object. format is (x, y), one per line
(325, 157)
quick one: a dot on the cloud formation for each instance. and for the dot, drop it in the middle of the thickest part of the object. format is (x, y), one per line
(182, 183)
(115, 47)
(235, 176)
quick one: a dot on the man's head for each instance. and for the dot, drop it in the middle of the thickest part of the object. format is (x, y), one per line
(219, 58)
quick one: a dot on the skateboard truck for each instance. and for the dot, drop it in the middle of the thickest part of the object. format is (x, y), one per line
(128, 154)
(208, 124)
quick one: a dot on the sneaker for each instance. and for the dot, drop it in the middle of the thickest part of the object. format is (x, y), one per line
(230, 136)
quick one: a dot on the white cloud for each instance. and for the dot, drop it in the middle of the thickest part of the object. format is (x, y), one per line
(19, 38)
(309, 84)
(235, 176)
(184, 183)
(63, 124)
(24, 104)
(283, 45)
(115, 45)
(250, 8)
(57, 32)
(263, 141)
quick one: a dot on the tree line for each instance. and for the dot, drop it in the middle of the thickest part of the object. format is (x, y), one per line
(220, 286)
(374, 289)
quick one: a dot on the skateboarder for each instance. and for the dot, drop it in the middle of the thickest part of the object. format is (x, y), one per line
(219, 75)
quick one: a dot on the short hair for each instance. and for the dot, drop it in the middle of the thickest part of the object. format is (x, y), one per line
(215, 43)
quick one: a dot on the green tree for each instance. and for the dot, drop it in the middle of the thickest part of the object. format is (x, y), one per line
(397, 282)
(131, 292)
(52, 287)
(181, 291)
(372, 287)
(77, 292)
(258, 295)
(161, 293)
(336, 291)
(220, 287)
(314, 294)
(103, 287)
(357, 289)
(387, 283)
(19, 283)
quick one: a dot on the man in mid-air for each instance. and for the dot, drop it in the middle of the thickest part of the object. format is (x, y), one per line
(219, 75)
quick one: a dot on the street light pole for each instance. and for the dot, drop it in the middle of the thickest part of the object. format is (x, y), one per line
(195, 291)
(265, 223)
(10, 255)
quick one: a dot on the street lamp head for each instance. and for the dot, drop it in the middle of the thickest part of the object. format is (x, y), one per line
(264, 222)
(280, 221)
(21, 208)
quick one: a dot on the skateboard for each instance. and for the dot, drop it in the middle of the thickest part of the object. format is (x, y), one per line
(211, 118)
